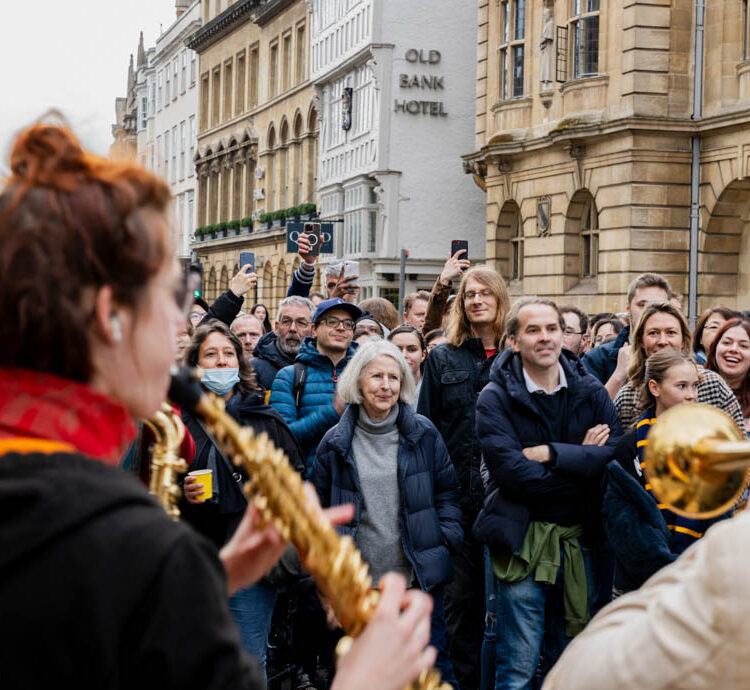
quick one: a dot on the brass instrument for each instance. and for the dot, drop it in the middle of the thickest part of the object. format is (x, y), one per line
(166, 463)
(696, 460)
(276, 490)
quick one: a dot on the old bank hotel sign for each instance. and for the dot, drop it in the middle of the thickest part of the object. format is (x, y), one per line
(419, 91)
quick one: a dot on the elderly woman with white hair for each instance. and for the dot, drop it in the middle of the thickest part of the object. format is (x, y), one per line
(392, 464)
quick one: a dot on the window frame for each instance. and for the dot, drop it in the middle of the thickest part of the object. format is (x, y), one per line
(577, 18)
(511, 49)
(517, 249)
(589, 242)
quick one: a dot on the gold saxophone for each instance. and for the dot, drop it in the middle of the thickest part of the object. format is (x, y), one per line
(275, 489)
(166, 463)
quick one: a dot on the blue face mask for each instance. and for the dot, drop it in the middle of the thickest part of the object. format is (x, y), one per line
(220, 381)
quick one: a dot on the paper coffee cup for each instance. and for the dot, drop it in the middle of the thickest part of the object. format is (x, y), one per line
(205, 477)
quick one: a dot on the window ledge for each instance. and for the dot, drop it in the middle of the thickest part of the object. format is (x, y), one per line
(743, 67)
(585, 286)
(512, 104)
(584, 83)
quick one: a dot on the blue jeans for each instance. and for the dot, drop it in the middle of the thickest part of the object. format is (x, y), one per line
(530, 625)
(438, 639)
(252, 608)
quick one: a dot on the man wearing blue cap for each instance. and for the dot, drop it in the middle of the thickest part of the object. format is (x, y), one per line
(304, 394)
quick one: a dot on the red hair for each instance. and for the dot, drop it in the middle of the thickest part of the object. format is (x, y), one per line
(70, 223)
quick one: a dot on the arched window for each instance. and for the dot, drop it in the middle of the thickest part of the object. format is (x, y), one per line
(516, 241)
(270, 172)
(300, 174)
(268, 283)
(284, 186)
(589, 240)
(211, 287)
(224, 280)
(509, 254)
(582, 239)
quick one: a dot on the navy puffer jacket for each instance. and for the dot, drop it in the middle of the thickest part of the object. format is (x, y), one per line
(519, 490)
(268, 359)
(428, 486)
(316, 413)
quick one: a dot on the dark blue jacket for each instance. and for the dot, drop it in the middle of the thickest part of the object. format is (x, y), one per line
(268, 359)
(316, 413)
(519, 490)
(430, 516)
(635, 528)
(602, 360)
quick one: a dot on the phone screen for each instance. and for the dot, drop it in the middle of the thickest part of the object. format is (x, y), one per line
(312, 230)
(457, 245)
(247, 258)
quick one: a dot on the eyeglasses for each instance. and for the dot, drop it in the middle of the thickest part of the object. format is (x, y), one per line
(335, 322)
(287, 322)
(473, 294)
(570, 331)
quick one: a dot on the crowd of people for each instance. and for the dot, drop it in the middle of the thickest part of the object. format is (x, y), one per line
(488, 452)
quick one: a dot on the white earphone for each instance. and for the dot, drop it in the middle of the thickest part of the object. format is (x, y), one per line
(114, 322)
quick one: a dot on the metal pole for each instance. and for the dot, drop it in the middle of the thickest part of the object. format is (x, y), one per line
(401, 280)
(695, 146)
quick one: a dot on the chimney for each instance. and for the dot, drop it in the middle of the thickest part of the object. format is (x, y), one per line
(180, 6)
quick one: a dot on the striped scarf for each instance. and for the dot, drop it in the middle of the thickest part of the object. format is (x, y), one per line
(685, 531)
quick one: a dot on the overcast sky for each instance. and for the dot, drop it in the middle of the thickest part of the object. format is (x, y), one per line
(72, 56)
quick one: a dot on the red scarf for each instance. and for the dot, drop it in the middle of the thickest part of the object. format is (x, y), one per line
(41, 406)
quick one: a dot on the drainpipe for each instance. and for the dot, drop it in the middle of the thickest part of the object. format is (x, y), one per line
(695, 169)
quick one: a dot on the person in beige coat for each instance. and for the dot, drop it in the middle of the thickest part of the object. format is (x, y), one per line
(687, 627)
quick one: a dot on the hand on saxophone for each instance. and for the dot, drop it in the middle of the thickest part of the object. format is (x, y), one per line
(392, 651)
(252, 552)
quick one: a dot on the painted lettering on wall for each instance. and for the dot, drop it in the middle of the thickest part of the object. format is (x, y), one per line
(422, 82)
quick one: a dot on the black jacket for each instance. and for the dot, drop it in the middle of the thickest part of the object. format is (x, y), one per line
(430, 519)
(113, 594)
(451, 382)
(268, 359)
(520, 490)
(225, 308)
(218, 520)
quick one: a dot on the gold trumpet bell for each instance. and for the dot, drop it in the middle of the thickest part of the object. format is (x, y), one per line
(696, 460)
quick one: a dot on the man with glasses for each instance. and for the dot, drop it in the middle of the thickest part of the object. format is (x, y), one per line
(304, 393)
(454, 374)
(280, 347)
(575, 333)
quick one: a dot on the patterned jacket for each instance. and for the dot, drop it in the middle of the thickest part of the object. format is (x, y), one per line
(712, 390)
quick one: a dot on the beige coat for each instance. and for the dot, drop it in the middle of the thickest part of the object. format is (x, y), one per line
(687, 627)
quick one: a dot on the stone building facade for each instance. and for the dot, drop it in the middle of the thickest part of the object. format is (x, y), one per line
(257, 136)
(396, 113)
(596, 137)
(171, 103)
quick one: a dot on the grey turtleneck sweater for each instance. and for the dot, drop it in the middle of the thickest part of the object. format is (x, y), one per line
(375, 452)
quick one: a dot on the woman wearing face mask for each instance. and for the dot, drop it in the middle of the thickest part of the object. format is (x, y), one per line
(91, 302)
(411, 342)
(662, 327)
(729, 357)
(217, 351)
(645, 536)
